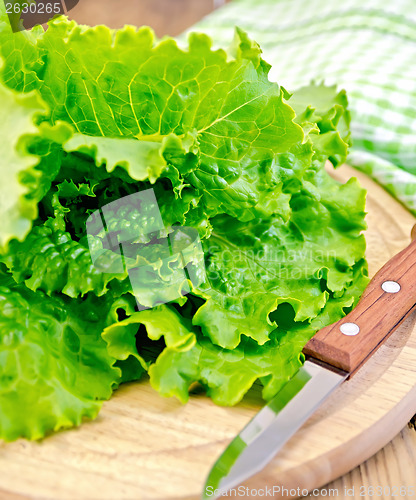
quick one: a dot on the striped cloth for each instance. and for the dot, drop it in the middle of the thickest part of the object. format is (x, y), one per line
(367, 47)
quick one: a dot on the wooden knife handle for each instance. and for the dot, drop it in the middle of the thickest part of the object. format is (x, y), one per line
(389, 298)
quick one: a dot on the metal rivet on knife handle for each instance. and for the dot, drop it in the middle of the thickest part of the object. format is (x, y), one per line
(350, 329)
(391, 286)
(379, 312)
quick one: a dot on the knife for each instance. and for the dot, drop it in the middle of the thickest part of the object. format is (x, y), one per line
(333, 355)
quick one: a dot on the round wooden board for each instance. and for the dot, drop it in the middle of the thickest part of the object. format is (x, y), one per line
(145, 447)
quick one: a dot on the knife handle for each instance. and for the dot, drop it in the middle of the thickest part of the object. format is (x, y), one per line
(388, 299)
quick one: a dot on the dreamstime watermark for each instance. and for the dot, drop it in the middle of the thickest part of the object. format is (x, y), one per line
(25, 14)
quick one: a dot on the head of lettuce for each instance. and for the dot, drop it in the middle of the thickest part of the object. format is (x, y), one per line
(92, 115)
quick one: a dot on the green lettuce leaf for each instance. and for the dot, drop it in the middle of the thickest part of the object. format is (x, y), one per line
(323, 114)
(22, 58)
(55, 368)
(30, 161)
(306, 260)
(18, 206)
(51, 261)
(142, 159)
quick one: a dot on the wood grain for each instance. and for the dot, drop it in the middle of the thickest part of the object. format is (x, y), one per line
(145, 447)
(377, 315)
(392, 468)
(166, 17)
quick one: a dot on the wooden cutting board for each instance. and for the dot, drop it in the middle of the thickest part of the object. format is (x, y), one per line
(145, 447)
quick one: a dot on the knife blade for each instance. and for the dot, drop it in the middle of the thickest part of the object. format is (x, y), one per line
(333, 355)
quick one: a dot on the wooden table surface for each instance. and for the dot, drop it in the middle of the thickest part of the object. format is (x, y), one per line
(394, 465)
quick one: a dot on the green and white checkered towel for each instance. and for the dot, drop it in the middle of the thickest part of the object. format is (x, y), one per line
(368, 48)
